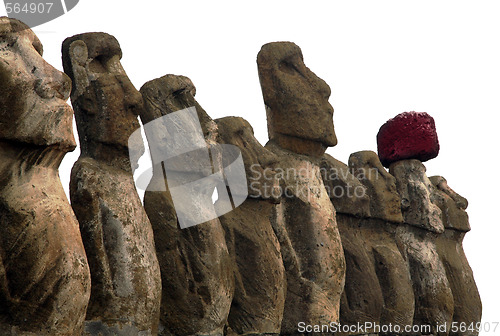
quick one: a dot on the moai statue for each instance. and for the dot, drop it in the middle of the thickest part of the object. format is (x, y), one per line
(422, 218)
(385, 202)
(377, 235)
(260, 280)
(300, 129)
(116, 232)
(44, 275)
(467, 303)
(197, 272)
(362, 299)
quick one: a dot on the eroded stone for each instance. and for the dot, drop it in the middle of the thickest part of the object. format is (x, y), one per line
(299, 116)
(417, 240)
(362, 300)
(452, 205)
(378, 288)
(117, 234)
(392, 272)
(260, 281)
(348, 194)
(385, 202)
(300, 128)
(467, 302)
(197, 272)
(416, 192)
(433, 296)
(44, 275)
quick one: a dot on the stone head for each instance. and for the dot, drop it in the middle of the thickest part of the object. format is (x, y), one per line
(33, 94)
(296, 99)
(259, 161)
(105, 101)
(172, 93)
(347, 193)
(385, 202)
(417, 195)
(452, 205)
(194, 133)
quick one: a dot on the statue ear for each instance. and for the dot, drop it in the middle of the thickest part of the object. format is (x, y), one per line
(78, 54)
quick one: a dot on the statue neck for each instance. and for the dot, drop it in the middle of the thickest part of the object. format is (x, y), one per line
(299, 145)
(22, 159)
(113, 155)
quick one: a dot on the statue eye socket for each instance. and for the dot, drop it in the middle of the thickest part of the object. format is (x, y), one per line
(288, 67)
(179, 92)
(97, 65)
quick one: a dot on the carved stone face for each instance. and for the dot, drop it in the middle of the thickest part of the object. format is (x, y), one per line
(417, 195)
(452, 205)
(172, 93)
(106, 103)
(296, 99)
(165, 96)
(33, 94)
(385, 202)
(262, 180)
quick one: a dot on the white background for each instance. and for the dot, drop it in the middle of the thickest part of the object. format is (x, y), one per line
(380, 58)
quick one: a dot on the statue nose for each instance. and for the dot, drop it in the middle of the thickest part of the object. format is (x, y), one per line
(267, 159)
(322, 87)
(57, 85)
(134, 100)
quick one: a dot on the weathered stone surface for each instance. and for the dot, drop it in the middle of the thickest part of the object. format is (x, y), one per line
(392, 272)
(378, 287)
(197, 272)
(310, 244)
(117, 234)
(299, 116)
(417, 240)
(347, 193)
(300, 128)
(260, 280)
(180, 92)
(362, 300)
(44, 275)
(433, 296)
(452, 205)
(467, 302)
(263, 182)
(416, 192)
(409, 135)
(385, 202)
